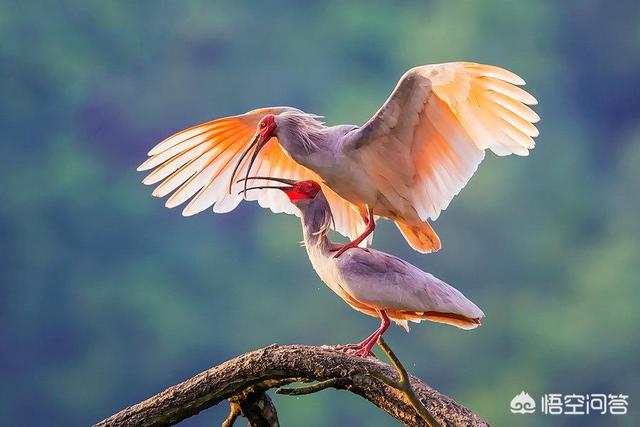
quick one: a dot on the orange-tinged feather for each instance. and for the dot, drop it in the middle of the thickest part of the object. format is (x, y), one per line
(427, 140)
(196, 163)
(484, 70)
(513, 105)
(514, 120)
(509, 90)
(188, 133)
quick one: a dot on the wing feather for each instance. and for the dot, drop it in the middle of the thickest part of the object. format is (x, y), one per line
(436, 126)
(195, 166)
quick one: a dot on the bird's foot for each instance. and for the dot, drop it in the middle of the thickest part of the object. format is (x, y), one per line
(346, 347)
(356, 349)
(342, 249)
(361, 352)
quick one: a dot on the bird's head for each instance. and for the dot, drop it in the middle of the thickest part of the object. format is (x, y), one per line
(297, 191)
(307, 196)
(266, 129)
(295, 131)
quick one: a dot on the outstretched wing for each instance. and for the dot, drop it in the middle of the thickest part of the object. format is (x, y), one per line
(195, 165)
(429, 137)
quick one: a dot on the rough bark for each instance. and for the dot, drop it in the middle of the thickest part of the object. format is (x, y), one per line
(245, 379)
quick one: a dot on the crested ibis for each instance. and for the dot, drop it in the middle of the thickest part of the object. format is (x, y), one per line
(370, 281)
(405, 164)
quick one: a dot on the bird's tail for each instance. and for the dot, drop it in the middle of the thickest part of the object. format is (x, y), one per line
(459, 321)
(421, 237)
(463, 322)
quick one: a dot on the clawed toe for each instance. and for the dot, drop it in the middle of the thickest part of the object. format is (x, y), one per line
(346, 347)
(355, 350)
(361, 352)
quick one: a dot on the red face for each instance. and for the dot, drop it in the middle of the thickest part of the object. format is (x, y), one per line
(295, 190)
(302, 190)
(266, 127)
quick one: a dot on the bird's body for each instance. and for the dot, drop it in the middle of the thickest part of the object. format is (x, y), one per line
(405, 164)
(374, 282)
(335, 158)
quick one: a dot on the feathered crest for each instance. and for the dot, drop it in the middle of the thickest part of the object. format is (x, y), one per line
(303, 127)
(328, 223)
(319, 218)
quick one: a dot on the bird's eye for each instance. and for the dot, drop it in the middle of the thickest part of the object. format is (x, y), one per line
(262, 124)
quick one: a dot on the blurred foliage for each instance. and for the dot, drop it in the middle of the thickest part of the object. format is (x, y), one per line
(107, 297)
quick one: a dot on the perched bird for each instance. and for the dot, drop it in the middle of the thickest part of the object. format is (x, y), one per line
(405, 164)
(370, 281)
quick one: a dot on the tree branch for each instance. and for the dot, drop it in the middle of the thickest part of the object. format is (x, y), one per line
(245, 379)
(255, 406)
(404, 385)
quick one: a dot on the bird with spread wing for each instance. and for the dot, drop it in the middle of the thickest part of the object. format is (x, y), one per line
(405, 164)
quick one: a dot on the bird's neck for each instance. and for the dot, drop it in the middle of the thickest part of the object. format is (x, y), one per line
(315, 239)
(317, 149)
(316, 220)
(307, 147)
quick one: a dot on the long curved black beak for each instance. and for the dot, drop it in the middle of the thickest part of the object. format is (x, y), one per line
(242, 158)
(258, 143)
(289, 183)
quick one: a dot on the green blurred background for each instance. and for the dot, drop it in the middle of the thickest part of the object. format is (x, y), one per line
(107, 297)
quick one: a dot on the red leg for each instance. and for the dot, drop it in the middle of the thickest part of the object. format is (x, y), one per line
(371, 225)
(370, 342)
(364, 348)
